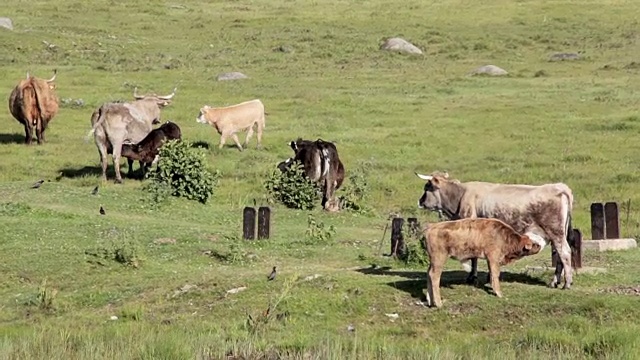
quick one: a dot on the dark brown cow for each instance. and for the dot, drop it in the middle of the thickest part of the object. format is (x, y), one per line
(466, 239)
(322, 165)
(33, 102)
(146, 151)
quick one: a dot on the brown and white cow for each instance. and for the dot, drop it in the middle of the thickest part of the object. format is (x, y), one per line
(230, 119)
(465, 239)
(322, 165)
(118, 123)
(544, 210)
(33, 102)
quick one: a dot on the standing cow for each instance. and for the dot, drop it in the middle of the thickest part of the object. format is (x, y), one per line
(544, 210)
(230, 119)
(322, 165)
(33, 102)
(115, 124)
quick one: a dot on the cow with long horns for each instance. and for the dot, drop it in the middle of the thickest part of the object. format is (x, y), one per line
(33, 102)
(543, 210)
(115, 124)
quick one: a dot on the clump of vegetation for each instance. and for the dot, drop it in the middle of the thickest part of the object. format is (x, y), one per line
(181, 171)
(292, 188)
(356, 191)
(316, 232)
(415, 252)
(120, 251)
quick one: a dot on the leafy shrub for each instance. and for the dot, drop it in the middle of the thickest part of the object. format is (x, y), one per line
(292, 188)
(118, 250)
(181, 171)
(356, 191)
(316, 232)
(415, 252)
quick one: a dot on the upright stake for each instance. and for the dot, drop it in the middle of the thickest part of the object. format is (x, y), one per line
(397, 241)
(249, 223)
(264, 218)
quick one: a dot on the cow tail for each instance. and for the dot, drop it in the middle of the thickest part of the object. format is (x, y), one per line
(100, 115)
(39, 99)
(570, 236)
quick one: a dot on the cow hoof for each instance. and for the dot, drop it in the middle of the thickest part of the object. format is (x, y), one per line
(553, 284)
(118, 181)
(566, 287)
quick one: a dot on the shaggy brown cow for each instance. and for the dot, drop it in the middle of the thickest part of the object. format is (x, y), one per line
(146, 151)
(321, 164)
(33, 102)
(465, 239)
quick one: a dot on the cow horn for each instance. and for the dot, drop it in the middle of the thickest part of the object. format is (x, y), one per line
(55, 73)
(168, 97)
(27, 75)
(424, 177)
(135, 93)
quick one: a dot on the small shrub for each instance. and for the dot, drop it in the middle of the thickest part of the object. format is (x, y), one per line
(292, 188)
(46, 296)
(316, 233)
(356, 191)
(120, 251)
(415, 252)
(181, 171)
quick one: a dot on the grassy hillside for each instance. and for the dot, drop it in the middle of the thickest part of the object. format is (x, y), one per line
(318, 69)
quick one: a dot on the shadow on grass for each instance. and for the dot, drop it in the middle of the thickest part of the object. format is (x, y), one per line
(418, 283)
(12, 138)
(82, 172)
(201, 144)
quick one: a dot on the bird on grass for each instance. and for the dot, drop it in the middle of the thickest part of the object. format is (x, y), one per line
(272, 275)
(102, 212)
(95, 191)
(37, 184)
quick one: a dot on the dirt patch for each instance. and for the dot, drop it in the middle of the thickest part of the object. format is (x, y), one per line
(622, 290)
(162, 241)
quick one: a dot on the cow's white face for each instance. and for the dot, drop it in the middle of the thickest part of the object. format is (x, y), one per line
(201, 119)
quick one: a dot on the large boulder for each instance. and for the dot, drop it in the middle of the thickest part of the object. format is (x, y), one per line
(401, 45)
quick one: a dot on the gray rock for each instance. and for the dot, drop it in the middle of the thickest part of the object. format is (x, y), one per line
(6, 23)
(565, 56)
(232, 76)
(399, 44)
(490, 70)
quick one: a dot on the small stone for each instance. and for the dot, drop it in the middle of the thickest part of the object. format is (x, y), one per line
(565, 56)
(6, 23)
(399, 44)
(232, 76)
(490, 70)
(113, 317)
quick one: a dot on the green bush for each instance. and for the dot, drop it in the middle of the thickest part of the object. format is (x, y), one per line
(355, 192)
(292, 188)
(181, 171)
(317, 233)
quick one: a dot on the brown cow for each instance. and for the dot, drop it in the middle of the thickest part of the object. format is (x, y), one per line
(466, 239)
(33, 102)
(146, 151)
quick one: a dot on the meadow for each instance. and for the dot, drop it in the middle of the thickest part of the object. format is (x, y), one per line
(317, 67)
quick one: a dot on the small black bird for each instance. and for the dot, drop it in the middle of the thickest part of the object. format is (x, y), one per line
(272, 275)
(102, 212)
(37, 184)
(95, 191)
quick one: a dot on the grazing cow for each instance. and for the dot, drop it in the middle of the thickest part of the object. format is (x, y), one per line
(33, 102)
(229, 120)
(147, 150)
(115, 124)
(322, 165)
(464, 239)
(544, 210)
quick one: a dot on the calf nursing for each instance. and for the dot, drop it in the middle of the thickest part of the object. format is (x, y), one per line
(464, 239)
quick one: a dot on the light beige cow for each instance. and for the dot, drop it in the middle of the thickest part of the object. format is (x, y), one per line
(231, 119)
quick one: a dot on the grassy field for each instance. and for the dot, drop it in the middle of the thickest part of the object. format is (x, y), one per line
(389, 113)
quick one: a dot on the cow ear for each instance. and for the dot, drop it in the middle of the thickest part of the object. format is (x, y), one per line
(293, 145)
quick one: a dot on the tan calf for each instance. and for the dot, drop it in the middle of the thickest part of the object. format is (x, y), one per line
(231, 119)
(464, 239)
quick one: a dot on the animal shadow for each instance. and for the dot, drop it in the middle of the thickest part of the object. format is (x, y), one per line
(201, 144)
(12, 138)
(81, 172)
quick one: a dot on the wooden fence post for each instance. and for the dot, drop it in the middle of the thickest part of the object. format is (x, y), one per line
(264, 222)
(576, 251)
(414, 227)
(612, 221)
(249, 223)
(597, 221)
(397, 241)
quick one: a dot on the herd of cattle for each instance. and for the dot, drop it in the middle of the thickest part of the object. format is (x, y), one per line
(497, 222)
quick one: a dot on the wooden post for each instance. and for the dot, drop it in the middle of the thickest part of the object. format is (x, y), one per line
(414, 227)
(612, 221)
(576, 250)
(264, 222)
(397, 241)
(249, 223)
(597, 221)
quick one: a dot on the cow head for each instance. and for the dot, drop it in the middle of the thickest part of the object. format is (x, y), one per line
(529, 245)
(431, 199)
(201, 116)
(161, 101)
(50, 83)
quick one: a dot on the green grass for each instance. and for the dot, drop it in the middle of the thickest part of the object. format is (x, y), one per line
(393, 113)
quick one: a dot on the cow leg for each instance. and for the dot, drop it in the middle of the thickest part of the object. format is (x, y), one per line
(28, 130)
(39, 132)
(117, 150)
(248, 137)
(223, 139)
(494, 272)
(102, 149)
(129, 168)
(433, 282)
(234, 136)
(473, 274)
(564, 252)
